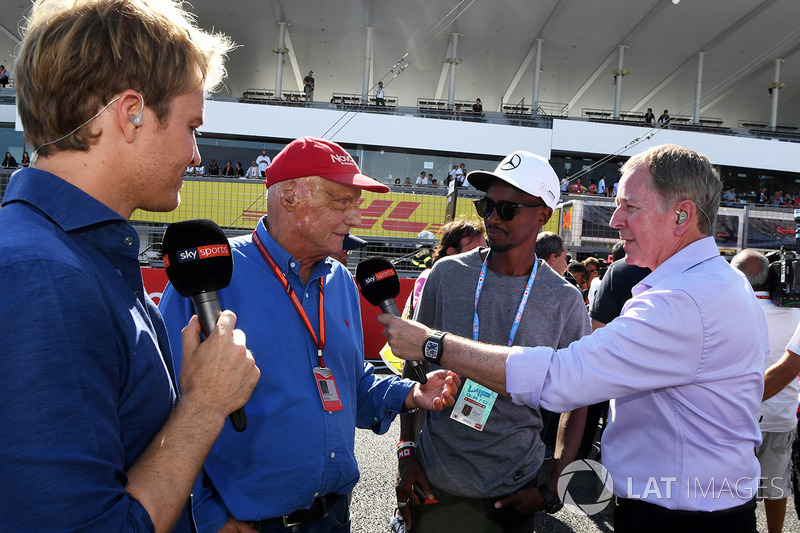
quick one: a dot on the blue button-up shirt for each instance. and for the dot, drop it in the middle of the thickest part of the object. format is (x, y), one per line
(685, 362)
(83, 386)
(293, 450)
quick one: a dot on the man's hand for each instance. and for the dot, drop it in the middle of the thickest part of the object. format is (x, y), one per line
(410, 473)
(438, 393)
(526, 501)
(218, 375)
(406, 337)
(234, 526)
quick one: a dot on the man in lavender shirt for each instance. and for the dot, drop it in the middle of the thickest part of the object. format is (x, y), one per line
(683, 365)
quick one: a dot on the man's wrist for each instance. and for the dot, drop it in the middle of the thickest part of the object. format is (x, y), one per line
(552, 503)
(406, 449)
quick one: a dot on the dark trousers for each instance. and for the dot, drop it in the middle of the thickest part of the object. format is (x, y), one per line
(638, 516)
(474, 515)
(335, 519)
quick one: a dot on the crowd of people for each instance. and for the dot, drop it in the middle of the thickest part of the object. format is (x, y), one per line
(115, 411)
(257, 169)
(10, 161)
(426, 179)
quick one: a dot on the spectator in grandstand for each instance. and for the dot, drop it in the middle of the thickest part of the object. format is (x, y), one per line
(664, 118)
(9, 161)
(422, 180)
(592, 186)
(407, 182)
(239, 172)
(577, 187)
(777, 417)
(777, 199)
(263, 162)
(305, 479)
(380, 95)
(397, 182)
(670, 351)
(452, 175)
(649, 117)
(213, 168)
(308, 86)
(601, 186)
(253, 171)
(551, 249)
(434, 183)
(477, 107)
(3, 76)
(729, 195)
(564, 183)
(26, 160)
(104, 444)
(763, 197)
(462, 175)
(228, 170)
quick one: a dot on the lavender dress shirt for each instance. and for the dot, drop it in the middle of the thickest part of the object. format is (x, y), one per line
(684, 369)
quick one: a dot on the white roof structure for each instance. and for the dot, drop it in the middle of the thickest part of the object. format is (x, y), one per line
(496, 50)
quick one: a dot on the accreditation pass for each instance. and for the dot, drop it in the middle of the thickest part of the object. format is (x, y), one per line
(474, 405)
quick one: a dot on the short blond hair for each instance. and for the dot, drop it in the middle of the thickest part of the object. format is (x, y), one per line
(76, 55)
(681, 174)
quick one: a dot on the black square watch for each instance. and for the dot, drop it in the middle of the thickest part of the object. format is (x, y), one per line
(552, 502)
(433, 347)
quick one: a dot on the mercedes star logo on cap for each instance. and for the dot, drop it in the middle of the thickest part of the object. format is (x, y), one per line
(512, 163)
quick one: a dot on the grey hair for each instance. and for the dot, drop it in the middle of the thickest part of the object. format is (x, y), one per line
(681, 174)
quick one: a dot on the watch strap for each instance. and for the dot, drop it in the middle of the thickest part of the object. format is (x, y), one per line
(552, 503)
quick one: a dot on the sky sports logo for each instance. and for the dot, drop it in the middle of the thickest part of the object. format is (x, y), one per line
(383, 274)
(200, 252)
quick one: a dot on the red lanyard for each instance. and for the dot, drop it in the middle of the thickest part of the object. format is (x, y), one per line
(297, 305)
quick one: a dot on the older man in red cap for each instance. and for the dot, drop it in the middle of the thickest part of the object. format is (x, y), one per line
(294, 467)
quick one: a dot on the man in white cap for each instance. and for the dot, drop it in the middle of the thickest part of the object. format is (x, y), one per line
(479, 459)
(295, 465)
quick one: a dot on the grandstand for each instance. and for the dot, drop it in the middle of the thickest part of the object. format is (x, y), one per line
(567, 80)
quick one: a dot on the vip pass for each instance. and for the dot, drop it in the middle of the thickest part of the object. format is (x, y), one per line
(475, 402)
(406, 448)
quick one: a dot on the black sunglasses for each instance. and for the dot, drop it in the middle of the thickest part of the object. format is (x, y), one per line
(505, 210)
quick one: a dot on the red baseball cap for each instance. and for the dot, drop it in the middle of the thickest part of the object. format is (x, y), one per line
(311, 156)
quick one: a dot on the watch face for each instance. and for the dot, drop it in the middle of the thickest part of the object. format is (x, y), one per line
(431, 349)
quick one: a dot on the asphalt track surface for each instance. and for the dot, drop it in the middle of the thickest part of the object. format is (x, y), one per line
(374, 498)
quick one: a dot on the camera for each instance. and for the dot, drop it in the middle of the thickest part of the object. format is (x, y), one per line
(784, 278)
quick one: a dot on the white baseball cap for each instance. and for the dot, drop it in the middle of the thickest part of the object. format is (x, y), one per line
(527, 172)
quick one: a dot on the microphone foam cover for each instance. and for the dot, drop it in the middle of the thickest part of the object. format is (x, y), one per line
(378, 280)
(197, 256)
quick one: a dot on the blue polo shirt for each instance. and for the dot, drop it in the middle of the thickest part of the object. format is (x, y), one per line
(85, 382)
(293, 450)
